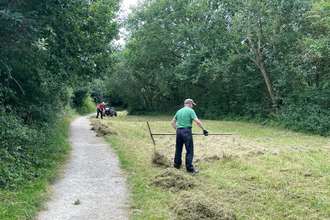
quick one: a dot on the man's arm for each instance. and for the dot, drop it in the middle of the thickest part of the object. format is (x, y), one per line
(199, 123)
(173, 122)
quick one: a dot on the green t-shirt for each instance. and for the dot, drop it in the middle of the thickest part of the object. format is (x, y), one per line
(185, 117)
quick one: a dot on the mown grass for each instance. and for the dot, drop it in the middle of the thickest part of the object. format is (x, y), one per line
(257, 173)
(26, 200)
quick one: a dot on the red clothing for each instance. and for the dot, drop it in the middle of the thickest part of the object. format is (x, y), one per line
(100, 106)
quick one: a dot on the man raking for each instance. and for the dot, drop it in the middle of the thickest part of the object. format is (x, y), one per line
(182, 123)
(100, 109)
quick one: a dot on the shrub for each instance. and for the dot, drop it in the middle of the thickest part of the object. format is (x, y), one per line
(87, 107)
(26, 150)
(306, 118)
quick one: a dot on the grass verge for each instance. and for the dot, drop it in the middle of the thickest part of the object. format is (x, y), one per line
(257, 173)
(25, 201)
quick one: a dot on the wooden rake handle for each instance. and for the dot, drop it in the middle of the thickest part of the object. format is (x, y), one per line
(192, 134)
(152, 134)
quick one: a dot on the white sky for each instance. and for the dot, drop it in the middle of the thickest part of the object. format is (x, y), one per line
(127, 3)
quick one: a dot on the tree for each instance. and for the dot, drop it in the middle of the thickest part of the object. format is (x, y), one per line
(257, 28)
(48, 46)
(46, 49)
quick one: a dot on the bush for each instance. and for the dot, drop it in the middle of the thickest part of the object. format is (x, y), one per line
(87, 107)
(26, 150)
(306, 118)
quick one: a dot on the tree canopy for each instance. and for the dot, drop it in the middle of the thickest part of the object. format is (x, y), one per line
(247, 60)
(50, 52)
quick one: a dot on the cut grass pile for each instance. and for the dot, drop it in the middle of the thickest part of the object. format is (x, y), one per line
(101, 129)
(257, 173)
(160, 160)
(199, 206)
(173, 180)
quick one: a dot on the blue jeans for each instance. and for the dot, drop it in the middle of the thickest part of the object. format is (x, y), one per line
(184, 136)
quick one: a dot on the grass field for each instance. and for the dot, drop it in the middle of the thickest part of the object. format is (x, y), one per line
(257, 173)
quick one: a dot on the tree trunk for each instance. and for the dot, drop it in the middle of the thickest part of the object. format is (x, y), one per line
(262, 66)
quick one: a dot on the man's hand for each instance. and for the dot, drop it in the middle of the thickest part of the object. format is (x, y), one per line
(206, 133)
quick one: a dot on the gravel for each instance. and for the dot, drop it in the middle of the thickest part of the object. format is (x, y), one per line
(92, 185)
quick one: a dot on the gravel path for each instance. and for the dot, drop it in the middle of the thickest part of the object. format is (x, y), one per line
(92, 186)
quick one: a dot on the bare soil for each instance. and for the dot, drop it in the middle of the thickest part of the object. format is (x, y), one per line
(92, 186)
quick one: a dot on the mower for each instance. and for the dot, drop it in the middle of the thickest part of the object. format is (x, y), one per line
(110, 111)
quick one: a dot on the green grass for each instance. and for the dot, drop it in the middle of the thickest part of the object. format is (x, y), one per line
(28, 199)
(257, 173)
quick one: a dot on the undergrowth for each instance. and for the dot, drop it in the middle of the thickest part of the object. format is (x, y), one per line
(29, 162)
(87, 106)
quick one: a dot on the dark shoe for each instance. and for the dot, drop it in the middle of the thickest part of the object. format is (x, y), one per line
(193, 171)
(175, 166)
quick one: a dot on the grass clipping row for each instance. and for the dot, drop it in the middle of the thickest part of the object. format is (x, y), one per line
(160, 160)
(198, 206)
(101, 129)
(174, 180)
(189, 205)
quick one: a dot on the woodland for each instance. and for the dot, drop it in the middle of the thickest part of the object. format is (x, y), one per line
(264, 61)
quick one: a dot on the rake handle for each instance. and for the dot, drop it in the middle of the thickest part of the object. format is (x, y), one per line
(192, 134)
(152, 134)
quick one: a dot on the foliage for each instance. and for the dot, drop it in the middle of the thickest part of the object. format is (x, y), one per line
(49, 47)
(28, 166)
(25, 151)
(190, 49)
(318, 43)
(87, 107)
(97, 90)
(306, 118)
(237, 59)
(50, 52)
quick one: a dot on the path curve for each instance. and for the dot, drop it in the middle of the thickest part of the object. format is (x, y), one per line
(92, 186)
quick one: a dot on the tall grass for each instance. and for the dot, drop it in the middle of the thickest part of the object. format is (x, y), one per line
(257, 173)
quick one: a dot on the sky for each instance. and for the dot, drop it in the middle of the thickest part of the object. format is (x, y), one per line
(127, 3)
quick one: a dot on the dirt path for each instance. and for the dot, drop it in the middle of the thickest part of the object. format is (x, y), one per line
(92, 186)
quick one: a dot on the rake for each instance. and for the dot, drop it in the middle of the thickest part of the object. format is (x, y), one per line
(153, 140)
